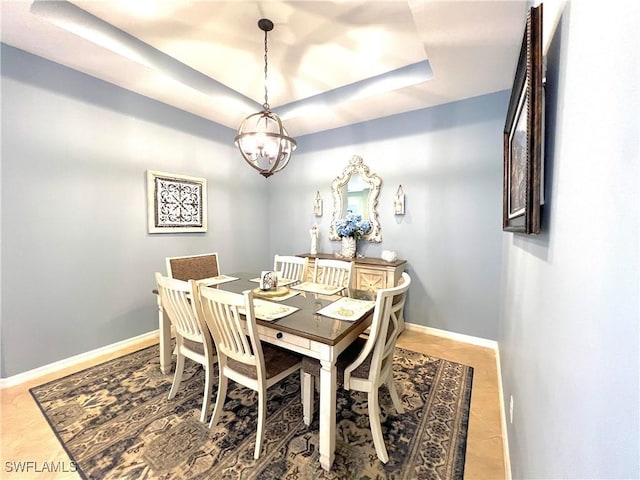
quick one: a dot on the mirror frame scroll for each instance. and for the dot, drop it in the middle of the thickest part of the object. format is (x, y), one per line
(356, 166)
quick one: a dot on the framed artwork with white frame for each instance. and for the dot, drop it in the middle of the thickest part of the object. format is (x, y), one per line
(176, 203)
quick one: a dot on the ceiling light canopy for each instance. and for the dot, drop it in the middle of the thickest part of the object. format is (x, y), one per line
(262, 139)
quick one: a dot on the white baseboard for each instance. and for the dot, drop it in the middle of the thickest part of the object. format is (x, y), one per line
(503, 419)
(460, 337)
(68, 362)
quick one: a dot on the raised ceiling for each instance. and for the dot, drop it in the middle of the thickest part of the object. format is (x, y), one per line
(330, 63)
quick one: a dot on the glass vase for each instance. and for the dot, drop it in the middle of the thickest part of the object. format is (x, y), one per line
(348, 247)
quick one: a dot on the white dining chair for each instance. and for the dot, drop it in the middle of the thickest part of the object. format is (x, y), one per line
(193, 267)
(333, 272)
(291, 267)
(368, 362)
(241, 356)
(193, 339)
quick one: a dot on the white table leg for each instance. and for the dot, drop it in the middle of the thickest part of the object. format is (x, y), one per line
(328, 381)
(164, 326)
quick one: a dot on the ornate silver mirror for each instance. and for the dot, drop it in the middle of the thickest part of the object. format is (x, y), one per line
(356, 189)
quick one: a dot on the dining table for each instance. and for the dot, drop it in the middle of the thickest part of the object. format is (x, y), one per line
(302, 317)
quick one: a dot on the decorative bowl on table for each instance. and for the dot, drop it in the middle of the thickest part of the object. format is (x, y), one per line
(272, 292)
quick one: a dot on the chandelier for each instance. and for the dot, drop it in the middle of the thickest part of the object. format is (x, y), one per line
(262, 139)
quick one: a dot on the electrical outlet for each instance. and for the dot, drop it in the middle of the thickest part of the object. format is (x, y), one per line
(511, 409)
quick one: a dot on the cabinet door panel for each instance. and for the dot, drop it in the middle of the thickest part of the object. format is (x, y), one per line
(309, 275)
(370, 280)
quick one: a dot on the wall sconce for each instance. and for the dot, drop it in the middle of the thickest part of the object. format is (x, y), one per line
(317, 205)
(398, 201)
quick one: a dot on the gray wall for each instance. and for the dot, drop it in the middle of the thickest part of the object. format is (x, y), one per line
(569, 310)
(448, 160)
(77, 261)
(74, 155)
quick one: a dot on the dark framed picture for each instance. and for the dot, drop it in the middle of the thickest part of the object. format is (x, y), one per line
(176, 203)
(523, 135)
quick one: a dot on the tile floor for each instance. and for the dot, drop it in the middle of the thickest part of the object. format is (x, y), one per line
(27, 437)
(485, 454)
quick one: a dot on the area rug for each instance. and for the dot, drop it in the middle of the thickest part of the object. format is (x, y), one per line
(115, 422)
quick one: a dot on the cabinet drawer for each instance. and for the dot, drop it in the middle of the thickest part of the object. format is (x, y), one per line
(284, 339)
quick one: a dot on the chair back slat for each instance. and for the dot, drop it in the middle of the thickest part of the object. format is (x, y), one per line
(235, 337)
(193, 267)
(291, 267)
(175, 296)
(333, 272)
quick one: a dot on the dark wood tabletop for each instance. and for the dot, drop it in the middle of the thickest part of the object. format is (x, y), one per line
(305, 322)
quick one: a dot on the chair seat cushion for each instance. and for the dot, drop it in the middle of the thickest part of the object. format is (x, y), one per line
(194, 346)
(276, 361)
(346, 358)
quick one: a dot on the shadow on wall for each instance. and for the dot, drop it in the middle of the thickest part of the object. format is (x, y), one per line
(420, 308)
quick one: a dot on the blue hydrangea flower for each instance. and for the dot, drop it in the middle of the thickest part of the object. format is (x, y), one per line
(352, 225)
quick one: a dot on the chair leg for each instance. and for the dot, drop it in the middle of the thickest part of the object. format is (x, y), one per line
(302, 386)
(208, 388)
(394, 395)
(307, 382)
(222, 394)
(177, 377)
(376, 428)
(262, 407)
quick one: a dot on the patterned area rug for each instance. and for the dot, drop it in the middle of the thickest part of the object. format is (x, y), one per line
(116, 422)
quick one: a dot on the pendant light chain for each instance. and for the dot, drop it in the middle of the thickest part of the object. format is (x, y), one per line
(266, 96)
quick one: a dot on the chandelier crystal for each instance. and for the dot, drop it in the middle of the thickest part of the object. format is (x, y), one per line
(262, 139)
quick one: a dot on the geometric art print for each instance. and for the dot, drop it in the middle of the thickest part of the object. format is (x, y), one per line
(176, 203)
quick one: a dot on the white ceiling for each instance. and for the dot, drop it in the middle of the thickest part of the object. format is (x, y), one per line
(207, 57)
